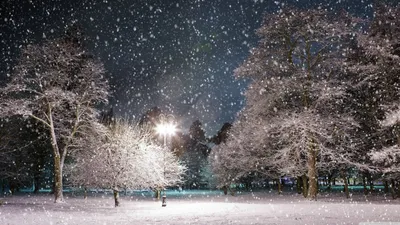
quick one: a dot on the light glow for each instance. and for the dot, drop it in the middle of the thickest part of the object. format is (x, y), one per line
(166, 128)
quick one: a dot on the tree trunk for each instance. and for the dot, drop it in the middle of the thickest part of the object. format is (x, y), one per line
(346, 184)
(116, 197)
(278, 181)
(298, 185)
(249, 186)
(393, 189)
(36, 188)
(312, 173)
(305, 185)
(225, 189)
(3, 187)
(58, 192)
(232, 191)
(397, 187)
(365, 186)
(12, 189)
(36, 185)
(155, 193)
(85, 193)
(386, 189)
(58, 185)
(329, 182)
(371, 184)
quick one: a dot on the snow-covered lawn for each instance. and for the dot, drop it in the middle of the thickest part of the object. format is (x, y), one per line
(199, 207)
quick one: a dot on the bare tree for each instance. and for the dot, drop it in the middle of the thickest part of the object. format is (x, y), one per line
(58, 84)
(128, 157)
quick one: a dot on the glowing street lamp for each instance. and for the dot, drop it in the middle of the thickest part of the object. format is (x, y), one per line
(165, 129)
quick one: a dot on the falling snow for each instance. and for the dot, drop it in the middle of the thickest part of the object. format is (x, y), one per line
(273, 112)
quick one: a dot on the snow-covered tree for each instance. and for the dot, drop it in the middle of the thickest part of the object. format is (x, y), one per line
(58, 84)
(375, 65)
(295, 102)
(127, 157)
(236, 157)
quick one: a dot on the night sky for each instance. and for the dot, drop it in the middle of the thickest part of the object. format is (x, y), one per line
(177, 55)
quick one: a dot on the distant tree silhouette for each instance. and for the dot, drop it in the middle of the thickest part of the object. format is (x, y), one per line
(107, 117)
(222, 134)
(195, 157)
(196, 131)
(152, 116)
(179, 143)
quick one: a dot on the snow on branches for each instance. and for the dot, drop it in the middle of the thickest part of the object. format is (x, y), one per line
(388, 160)
(295, 116)
(375, 66)
(302, 39)
(127, 157)
(58, 84)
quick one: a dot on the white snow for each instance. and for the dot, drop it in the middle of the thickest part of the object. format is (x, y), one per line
(199, 207)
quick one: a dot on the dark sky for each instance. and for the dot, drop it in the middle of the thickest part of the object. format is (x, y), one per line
(178, 55)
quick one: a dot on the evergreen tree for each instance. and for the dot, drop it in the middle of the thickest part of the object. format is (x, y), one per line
(195, 157)
(222, 134)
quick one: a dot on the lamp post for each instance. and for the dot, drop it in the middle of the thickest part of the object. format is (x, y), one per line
(166, 127)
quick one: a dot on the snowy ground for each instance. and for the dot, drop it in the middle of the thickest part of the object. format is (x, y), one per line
(199, 207)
